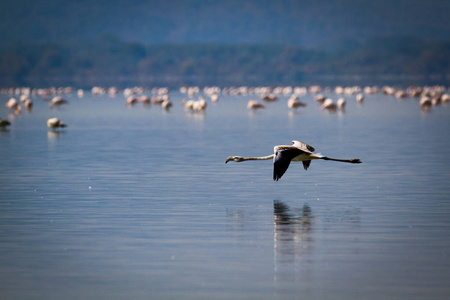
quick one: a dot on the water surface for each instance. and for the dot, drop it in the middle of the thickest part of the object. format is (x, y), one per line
(137, 203)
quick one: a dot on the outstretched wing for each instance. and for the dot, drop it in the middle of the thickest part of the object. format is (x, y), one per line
(303, 146)
(306, 164)
(282, 159)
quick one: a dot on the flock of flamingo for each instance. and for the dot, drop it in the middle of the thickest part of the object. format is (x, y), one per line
(196, 102)
(196, 98)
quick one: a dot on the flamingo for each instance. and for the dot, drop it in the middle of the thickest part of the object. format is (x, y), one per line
(254, 105)
(199, 105)
(131, 100)
(341, 103)
(12, 104)
(360, 98)
(269, 97)
(320, 98)
(56, 101)
(329, 105)
(166, 104)
(4, 123)
(214, 98)
(188, 105)
(445, 98)
(294, 102)
(144, 99)
(54, 123)
(284, 154)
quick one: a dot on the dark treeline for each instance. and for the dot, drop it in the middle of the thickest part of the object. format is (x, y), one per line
(108, 61)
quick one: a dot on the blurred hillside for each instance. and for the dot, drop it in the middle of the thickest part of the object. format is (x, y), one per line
(51, 42)
(110, 61)
(302, 23)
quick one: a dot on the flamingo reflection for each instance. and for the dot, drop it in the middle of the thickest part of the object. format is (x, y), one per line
(292, 238)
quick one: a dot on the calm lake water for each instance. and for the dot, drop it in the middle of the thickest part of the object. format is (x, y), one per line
(137, 202)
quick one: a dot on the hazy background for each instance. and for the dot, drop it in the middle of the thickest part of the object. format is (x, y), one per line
(213, 42)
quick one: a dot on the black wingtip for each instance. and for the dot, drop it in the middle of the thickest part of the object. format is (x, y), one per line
(306, 164)
(276, 177)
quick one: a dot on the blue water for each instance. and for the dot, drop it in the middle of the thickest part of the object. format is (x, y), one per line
(137, 202)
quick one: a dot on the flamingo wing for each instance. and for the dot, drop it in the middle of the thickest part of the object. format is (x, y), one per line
(306, 164)
(303, 146)
(282, 159)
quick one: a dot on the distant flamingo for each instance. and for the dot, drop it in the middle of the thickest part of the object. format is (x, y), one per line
(54, 123)
(294, 102)
(214, 98)
(131, 100)
(144, 99)
(4, 123)
(12, 104)
(360, 98)
(254, 105)
(341, 103)
(57, 101)
(166, 104)
(329, 105)
(269, 97)
(200, 104)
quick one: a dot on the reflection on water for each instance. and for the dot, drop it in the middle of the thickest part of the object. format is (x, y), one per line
(292, 239)
(53, 135)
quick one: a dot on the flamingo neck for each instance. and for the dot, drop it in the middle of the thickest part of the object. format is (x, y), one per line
(259, 157)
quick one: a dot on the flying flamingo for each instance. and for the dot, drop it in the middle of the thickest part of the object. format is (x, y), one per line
(283, 155)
